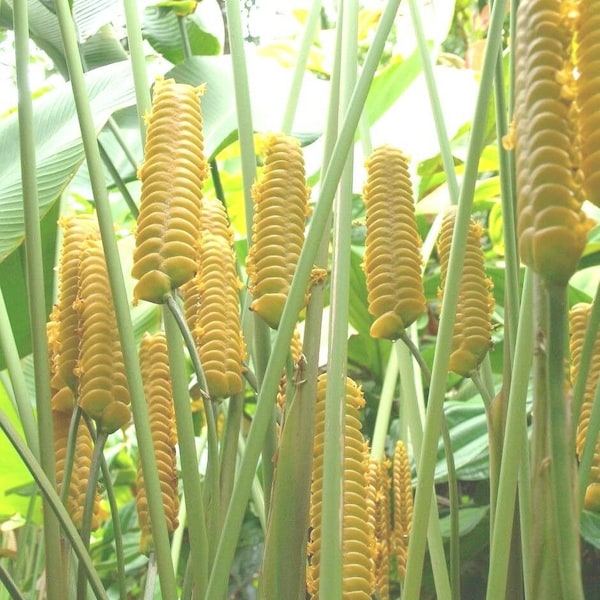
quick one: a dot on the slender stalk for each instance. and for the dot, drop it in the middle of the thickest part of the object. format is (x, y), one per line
(310, 31)
(235, 414)
(513, 449)
(332, 512)
(48, 490)
(10, 585)
(386, 400)
(562, 446)
(36, 296)
(437, 390)
(138, 62)
(117, 531)
(117, 284)
(201, 523)
(430, 525)
(434, 98)
(116, 177)
(235, 513)
(88, 507)
(17, 379)
(185, 40)
(114, 129)
(70, 454)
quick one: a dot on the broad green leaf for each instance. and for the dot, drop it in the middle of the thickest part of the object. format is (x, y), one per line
(59, 147)
(13, 473)
(469, 518)
(90, 16)
(161, 28)
(590, 527)
(14, 286)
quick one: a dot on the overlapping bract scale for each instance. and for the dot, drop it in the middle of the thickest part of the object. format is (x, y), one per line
(579, 316)
(172, 177)
(378, 504)
(154, 365)
(357, 532)
(280, 209)
(552, 227)
(392, 248)
(63, 333)
(403, 506)
(211, 303)
(471, 338)
(103, 393)
(587, 60)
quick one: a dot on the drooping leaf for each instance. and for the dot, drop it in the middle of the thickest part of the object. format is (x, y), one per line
(59, 149)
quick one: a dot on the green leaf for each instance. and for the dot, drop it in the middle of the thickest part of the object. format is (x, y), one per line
(14, 285)
(90, 17)
(590, 527)
(13, 473)
(469, 518)
(58, 144)
(161, 28)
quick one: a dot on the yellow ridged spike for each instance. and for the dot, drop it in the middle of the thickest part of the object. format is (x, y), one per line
(588, 94)
(82, 461)
(172, 177)
(211, 304)
(154, 364)
(552, 226)
(379, 484)
(63, 334)
(579, 316)
(472, 338)
(403, 506)
(357, 534)
(103, 392)
(280, 210)
(392, 247)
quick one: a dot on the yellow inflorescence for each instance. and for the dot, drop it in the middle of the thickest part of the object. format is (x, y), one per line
(378, 499)
(103, 392)
(172, 177)
(579, 317)
(403, 506)
(157, 387)
(392, 248)
(64, 339)
(211, 302)
(357, 533)
(82, 461)
(552, 227)
(587, 56)
(280, 210)
(472, 328)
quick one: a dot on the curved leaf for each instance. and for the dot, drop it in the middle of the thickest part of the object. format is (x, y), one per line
(59, 146)
(161, 28)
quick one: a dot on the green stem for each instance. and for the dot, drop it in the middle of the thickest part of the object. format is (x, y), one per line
(199, 520)
(10, 585)
(185, 40)
(436, 105)
(120, 300)
(216, 179)
(114, 129)
(562, 470)
(116, 177)
(437, 390)
(514, 451)
(332, 511)
(264, 407)
(117, 531)
(48, 491)
(429, 525)
(138, 63)
(88, 507)
(235, 413)
(70, 454)
(17, 379)
(386, 400)
(310, 31)
(36, 296)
